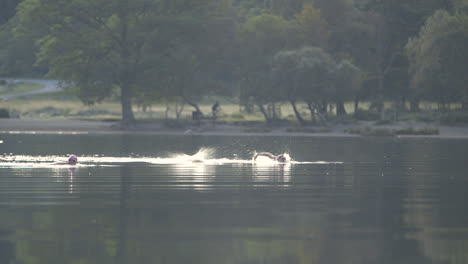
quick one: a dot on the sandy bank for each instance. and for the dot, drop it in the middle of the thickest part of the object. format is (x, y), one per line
(34, 126)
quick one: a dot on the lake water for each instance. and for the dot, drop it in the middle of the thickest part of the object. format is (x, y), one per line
(195, 199)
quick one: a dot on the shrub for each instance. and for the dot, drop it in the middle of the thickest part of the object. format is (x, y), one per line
(368, 131)
(4, 113)
(420, 131)
(48, 111)
(381, 132)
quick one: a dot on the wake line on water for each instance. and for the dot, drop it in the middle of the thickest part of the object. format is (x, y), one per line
(203, 156)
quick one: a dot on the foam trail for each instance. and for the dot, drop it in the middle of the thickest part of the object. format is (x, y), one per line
(203, 156)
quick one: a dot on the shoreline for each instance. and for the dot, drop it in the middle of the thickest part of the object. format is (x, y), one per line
(80, 127)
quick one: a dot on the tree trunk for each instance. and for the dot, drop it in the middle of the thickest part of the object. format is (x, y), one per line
(323, 107)
(128, 119)
(264, 112)
(313, 117)
(179, 109)
(356, 105)
(401, 104)
(379, 103)
(414, 105)
(296, 112)
(194, 105)
(166, 112)
(127, 76)
(340, 109)
(465, 101)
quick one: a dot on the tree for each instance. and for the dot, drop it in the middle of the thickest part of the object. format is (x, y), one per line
(95, 46)
(286, 77)
(305, 74)
(7, 10)
(438, 58)
(311, 27)
(193, 51)
(347, 82)
(17, 55)
(260, 38)
(391, 24)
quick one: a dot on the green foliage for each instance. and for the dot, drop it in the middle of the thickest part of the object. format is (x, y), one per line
(311, 27)
(17, 55)
(266, 52)
(100, 46)
(305, 73)
(48, 111)
(261, 37)
(7, 10)
(312, 75)
(438, 58)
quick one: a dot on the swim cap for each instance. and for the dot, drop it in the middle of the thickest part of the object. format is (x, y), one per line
(72, 159)
(281, 158)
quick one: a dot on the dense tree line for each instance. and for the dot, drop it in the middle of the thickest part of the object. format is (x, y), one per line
(315, 53)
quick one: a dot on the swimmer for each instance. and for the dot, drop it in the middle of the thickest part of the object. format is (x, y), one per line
(72, 160)
(279, 158)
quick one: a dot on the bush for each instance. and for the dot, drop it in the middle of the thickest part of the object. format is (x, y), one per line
(4, 113)
(414, 131)
(48, 111)
(381, 132)
(368, 131)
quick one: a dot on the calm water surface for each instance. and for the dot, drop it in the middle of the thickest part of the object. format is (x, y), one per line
(133, 200)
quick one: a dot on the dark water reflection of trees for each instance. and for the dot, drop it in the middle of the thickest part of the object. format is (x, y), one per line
(395, 201)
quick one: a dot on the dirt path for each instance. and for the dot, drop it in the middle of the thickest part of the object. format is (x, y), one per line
(50, 86)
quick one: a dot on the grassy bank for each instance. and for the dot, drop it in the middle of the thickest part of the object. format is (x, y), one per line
(19, 88)
(64, 106)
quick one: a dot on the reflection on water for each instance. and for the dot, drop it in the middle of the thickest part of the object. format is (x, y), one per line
(271, 174)
(339, 201)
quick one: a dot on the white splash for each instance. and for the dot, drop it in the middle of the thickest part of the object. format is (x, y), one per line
(203, 156)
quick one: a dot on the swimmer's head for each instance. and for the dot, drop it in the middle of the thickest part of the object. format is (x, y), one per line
(281, 158)
(72, 159)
